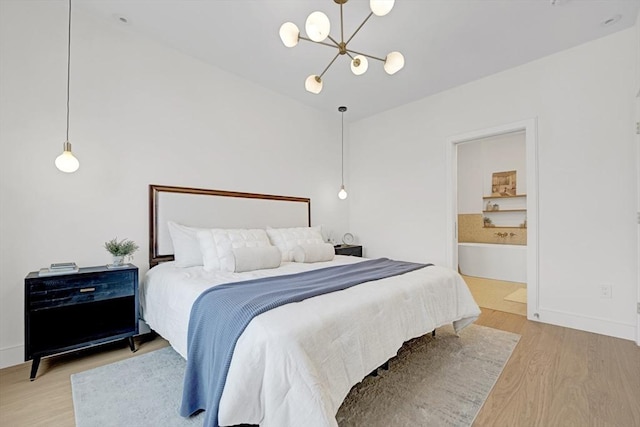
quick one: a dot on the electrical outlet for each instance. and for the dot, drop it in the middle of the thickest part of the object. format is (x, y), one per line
(605, 291)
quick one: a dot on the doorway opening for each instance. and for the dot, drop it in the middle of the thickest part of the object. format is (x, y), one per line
(493, 217)
(492, 220)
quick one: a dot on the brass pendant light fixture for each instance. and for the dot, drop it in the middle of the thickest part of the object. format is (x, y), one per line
(342, 194)
(318, 27)
(66, 161)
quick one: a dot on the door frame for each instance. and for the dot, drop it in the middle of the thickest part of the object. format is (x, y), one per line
(637, 122)
(529, 126)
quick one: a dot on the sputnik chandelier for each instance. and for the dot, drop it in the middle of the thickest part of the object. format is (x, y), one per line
(318, 27)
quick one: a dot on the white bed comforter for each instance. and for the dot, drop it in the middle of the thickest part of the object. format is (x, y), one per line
(294, 365)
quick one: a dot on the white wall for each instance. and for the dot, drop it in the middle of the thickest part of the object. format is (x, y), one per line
(478, 160)
(140, 114)
(470, 185)
(583, 100)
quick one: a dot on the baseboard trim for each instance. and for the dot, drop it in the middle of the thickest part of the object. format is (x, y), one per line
(606, 327)
(11, 356)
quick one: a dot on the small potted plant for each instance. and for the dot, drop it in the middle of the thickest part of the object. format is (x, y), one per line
(120, 249)
(487, 221)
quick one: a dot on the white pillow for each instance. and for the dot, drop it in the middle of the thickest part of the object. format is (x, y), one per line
(256, 258)
(186, 248)
(217, 245)
(288, 238)
(313, 252)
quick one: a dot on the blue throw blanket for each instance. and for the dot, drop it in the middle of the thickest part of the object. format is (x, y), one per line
(220, 315)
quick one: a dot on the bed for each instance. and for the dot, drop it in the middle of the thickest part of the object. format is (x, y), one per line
(295, 364)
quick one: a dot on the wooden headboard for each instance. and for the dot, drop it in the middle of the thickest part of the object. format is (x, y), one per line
(197, 207)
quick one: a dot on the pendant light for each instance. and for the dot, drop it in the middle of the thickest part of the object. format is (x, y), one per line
(342, 194)
(66, 161)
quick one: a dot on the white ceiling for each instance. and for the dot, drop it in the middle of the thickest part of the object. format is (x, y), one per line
(445, 43)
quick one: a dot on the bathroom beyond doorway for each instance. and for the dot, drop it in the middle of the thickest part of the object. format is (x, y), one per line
(497, 294)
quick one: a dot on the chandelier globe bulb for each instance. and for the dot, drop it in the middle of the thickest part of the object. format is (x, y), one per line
(313, 84)
(393, 63)
(381, 7)
(359, 65)
(317, 26)
(289, 34)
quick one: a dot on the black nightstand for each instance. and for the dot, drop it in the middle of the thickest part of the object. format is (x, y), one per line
(353, 250)
(76, 310)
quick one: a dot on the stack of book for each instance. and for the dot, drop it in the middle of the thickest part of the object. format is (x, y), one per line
(59, 268)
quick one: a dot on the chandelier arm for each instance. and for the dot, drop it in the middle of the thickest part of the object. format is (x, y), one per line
(358, 29)
(330, 63)
(333, 40)
(323, 43)
(364, 54)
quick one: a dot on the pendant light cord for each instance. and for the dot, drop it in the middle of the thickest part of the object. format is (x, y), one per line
(68, 68)
(342, 148)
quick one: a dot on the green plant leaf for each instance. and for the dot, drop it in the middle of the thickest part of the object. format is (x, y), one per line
(123, 247)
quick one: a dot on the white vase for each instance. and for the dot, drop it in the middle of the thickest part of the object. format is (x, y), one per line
(118, 260)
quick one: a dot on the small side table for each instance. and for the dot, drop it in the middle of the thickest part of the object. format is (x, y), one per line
(352, 250)
(76, 310)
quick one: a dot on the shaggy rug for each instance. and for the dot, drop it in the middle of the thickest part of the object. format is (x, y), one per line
(435, 381)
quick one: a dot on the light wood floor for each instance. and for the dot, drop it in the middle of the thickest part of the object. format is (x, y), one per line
(47, 401)
(555, 377)
(490, 293)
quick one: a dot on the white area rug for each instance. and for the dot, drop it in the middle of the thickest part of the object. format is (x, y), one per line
(432, 382)
(518, 296)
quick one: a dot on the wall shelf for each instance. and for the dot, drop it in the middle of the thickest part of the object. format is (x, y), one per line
(512, 211)
(505, 226)
(505, 210)
(503, 197)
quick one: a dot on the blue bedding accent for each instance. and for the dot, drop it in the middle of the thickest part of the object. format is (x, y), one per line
(220, 315)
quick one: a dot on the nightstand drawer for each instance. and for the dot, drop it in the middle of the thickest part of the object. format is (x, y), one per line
(57, 292)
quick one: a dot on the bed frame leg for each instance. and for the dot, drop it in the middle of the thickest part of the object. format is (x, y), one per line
(433, 333)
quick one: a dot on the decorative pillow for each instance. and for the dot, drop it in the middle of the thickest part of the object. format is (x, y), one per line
(186, 248)
(313, 252)
(256, 258)
(217, 245)
(288, 238)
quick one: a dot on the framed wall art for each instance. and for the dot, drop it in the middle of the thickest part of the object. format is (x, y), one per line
(503, 183)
